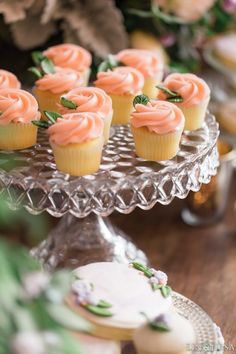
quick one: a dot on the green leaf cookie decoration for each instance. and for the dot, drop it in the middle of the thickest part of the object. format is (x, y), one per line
(160, 323)
(157, 278)
(156, 286)
(86, 297)
(104, 304)
(141, 99)
(172, 96)
(166, 290)
(99, 311)
(147, 271)
(67, 103)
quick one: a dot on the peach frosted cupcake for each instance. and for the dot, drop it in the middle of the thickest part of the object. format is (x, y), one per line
(149, 63)
(71, 56)
(226, 115)
(157, 127)
(88, 99)
(49, 87)
(77, 141)
(8, 80)
(190, 93)
(122, 84)
(18, 108)
(225, 50)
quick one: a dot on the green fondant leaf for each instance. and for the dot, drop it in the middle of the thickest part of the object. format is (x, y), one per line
(167, 91)
(175, 99)
(104, 304)
(156, 286)
(67, 103)
(165, 290)
(35, 71)
(156, 324)
(141, 99)
(142, 268)
(99, 311)
(41, 124)
(159, 326)
(47, 66)
(109, 64)
(52, 116)
(37, 57)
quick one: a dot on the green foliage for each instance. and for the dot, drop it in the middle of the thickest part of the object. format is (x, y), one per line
(35, 305)
(161, 24)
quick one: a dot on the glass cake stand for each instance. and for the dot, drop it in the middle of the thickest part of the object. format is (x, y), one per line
(209, 338)
(84, 234)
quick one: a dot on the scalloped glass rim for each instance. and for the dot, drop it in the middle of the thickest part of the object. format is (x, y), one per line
(207, 332)
(123, 182)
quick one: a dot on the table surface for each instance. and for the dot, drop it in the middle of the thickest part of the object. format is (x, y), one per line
(200, 261)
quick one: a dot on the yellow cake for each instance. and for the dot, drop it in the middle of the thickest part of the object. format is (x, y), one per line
(121, 84)
(77, 141)
(89, 99)
(157, 127)
(149, 63)
(71, 56)
(49, 88)
(18, 109)
(190, 93)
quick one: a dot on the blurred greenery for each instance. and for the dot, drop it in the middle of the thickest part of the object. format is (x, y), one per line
(22, 227)
(32, 304)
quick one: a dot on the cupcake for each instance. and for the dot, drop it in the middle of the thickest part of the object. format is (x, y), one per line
(71, 56)
(77, 142)
(8, 80)
(18, 109)
(190, 93)
(168, 333)
(122, 84)
(149, 63)
(157, 127)
(49, 88)
(111, 296)
(225, 50)
(227, 115)
(88, 99)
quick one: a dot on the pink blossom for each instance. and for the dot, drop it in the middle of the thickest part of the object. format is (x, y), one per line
(159, 277)
(229, 6)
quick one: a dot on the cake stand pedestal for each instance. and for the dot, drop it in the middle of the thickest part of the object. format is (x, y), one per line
(29, 178)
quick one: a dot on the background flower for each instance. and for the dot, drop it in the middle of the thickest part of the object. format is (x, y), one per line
(187, 10)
